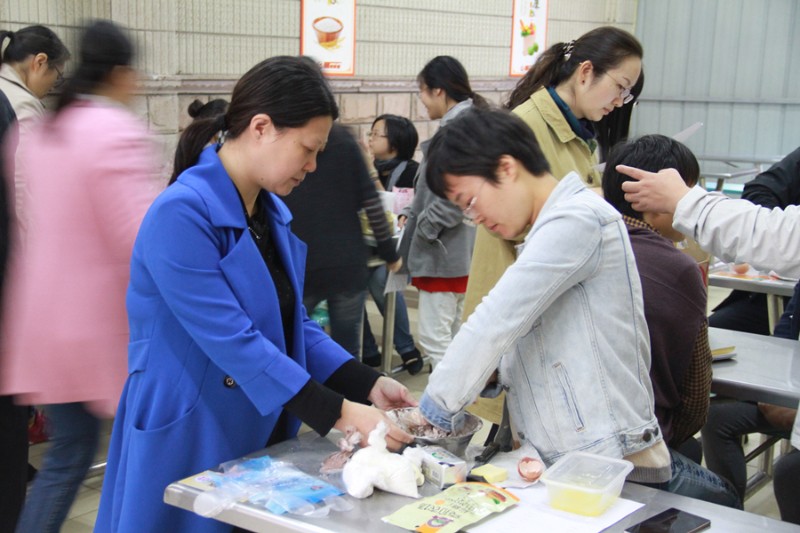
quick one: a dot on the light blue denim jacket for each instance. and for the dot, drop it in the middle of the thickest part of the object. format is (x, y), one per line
(565, 327)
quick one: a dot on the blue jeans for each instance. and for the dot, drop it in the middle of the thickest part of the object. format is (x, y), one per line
(692, 480)
(403, 341)
(74, 433)
(346, 311)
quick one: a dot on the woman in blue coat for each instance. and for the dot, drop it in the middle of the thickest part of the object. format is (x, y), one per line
(223, 359)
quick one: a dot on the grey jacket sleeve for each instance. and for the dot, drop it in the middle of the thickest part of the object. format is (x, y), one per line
(438, 215)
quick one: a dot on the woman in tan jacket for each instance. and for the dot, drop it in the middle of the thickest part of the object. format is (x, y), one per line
(570, 87)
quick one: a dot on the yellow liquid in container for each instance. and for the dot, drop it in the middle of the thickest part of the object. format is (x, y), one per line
(580, 502)
(585, 484)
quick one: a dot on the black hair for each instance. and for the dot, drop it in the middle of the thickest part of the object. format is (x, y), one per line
(472, 144)
(401, 135)
(448, 74)
(103, 47)
(651, 153)
(31, 41)
(606, 47)
(198, 109)
(614, 127)
(291, 90)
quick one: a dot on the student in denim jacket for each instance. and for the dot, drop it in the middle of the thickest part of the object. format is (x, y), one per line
(564, 328)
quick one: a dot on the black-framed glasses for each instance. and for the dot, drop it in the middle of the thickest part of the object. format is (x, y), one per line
(624, 92)
(60, 78)
(374, 135)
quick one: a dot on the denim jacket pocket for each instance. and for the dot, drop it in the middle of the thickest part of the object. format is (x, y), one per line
(569, 395)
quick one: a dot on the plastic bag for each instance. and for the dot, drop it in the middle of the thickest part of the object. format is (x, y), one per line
(453, 509)
(276, 486)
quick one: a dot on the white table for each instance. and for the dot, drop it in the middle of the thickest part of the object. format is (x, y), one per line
(775, 289)
(765, 369)
(307, 452)
(763, 163)
(722, 176)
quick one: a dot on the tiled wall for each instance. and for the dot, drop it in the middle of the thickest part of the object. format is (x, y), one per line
(197, 48)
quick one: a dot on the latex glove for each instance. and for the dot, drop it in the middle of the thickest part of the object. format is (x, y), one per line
(389, 394)
(365, 418)
(653, 192)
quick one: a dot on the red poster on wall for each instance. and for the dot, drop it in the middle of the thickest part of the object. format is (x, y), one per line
(528, 34)
(328, 34)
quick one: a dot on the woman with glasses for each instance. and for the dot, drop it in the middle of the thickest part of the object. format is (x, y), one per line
(438, 243)
(32, 64)
(571, 86)
(392, 141)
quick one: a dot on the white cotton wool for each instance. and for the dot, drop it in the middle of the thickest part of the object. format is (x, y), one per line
(375, 466)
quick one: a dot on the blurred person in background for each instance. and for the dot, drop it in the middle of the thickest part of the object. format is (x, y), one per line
(392, 141)
(325, 211)
(90, 175)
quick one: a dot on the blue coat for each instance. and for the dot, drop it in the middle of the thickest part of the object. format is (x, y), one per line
(208, 370)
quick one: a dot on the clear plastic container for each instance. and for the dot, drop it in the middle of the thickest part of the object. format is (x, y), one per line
(585, 483)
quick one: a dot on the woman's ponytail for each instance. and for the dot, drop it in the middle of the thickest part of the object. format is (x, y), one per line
(193, 139)
(605, 47)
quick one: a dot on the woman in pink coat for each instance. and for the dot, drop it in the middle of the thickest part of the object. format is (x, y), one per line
(90, 181)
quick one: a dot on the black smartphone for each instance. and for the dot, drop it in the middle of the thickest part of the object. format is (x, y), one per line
(671, 521)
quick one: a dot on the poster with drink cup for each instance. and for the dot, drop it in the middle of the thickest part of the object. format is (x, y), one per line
(328, 34)
(528, 34)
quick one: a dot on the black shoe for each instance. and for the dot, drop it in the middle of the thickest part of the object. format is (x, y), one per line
(412, 361)
(372, 360)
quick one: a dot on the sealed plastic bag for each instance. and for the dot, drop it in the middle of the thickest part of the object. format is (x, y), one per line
(276, 486)
(452, 509)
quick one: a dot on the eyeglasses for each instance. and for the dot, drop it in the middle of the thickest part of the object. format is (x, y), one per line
(60, 78)
(624, 93)
(469, 210)
(373, 135)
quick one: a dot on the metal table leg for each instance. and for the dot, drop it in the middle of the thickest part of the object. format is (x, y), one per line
(388, 332)
(774, 310)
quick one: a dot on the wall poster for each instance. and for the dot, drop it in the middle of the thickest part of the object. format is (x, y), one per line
(328, 34)
(528, 34)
